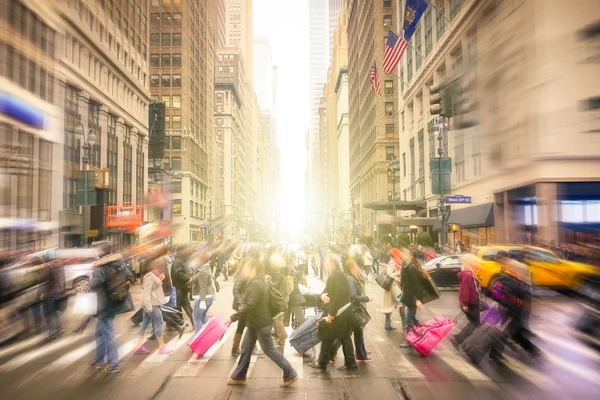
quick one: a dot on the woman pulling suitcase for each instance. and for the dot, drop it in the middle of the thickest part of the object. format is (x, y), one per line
(259, 321)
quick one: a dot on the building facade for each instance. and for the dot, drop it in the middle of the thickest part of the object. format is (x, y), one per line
(181, 45)
(373, 118)
(104, 71)
(239, 30)
(318, 58)
(31, 126)
(334, 9)
(528, 158)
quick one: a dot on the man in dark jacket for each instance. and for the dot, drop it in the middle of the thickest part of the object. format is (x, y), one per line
(108, 307)
(296, 297)
(279, 275)
(336, 297)
(182, 277)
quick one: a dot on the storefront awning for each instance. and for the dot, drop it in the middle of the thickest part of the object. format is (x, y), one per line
(398, 205)
(474, 216)
(416, 221)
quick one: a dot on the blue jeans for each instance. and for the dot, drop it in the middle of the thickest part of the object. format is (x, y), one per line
(410, 318)
(106, 345)
(263, 335)
(201, 316)
(155, 317)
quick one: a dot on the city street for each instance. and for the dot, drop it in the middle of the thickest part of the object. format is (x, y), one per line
(568, 369)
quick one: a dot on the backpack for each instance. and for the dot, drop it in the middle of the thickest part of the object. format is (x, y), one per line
(116, 282)
(277, 302)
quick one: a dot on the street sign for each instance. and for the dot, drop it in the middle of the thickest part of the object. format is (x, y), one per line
(440, 177)
(458, 199)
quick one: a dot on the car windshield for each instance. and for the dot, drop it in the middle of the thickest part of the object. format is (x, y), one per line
(432, 262)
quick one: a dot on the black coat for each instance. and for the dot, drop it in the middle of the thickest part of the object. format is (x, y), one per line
(180, 272)
(99, 284)
(338, 291)
(255, 306)
(296, 297)
(412, 288)
(239, 291)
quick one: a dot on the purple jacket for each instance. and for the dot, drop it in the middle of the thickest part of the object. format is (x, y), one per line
(469, 291)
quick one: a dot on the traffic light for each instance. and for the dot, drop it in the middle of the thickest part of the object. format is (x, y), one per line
(464, 105)
(435, 99)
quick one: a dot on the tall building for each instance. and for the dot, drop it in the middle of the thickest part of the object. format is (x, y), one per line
(180, 77)
(239, 30)
(263, 73)
(31, 127)
(334, 8)
(318, 58)
(526, 160)
(337, 131)
(217, 15)
(234, 108)
(373, 118)
(104, 70)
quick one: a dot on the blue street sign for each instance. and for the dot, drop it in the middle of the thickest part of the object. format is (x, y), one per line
(458, 199)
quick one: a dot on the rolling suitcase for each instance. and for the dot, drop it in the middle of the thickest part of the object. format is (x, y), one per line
(426, 337)
(484, 339)
(210, 333)
(307, 334)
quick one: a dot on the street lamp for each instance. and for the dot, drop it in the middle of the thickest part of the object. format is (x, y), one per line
(89, 139)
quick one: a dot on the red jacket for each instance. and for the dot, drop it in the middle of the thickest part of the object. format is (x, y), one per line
(469, 291)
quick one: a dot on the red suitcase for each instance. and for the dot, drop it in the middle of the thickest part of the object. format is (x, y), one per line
(425, 338)
(210, 333)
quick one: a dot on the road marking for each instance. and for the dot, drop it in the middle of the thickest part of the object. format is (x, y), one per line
(76, 354)
(568, 344)
(461, 366)
(173, 344)
(127, 348)
(295, 359)
(27, 357)
(525, 372)
(582, 371)
(18, 346)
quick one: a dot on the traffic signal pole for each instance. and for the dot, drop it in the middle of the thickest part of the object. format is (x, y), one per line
(441, 198)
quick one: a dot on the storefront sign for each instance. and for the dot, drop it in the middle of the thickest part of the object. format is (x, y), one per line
(458, 199)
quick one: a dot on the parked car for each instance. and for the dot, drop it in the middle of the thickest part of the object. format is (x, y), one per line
(547, 269)
(444, 270)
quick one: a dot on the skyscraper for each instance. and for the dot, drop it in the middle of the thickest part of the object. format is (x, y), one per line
(239, 30)
(263, 73)
(318, 58)
(335, 6)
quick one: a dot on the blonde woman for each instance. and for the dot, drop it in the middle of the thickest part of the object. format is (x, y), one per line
(390, 302)
(469, 297)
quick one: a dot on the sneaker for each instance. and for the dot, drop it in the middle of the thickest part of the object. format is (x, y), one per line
(97, 365)
(112, 370)
(165, 351)
(236, 382)
(141, 350)
(364, 360)
(404, 345)
(348, 369)
(290, 382)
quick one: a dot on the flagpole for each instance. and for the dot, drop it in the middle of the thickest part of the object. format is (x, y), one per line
(407, 42)
(392, 73)
(438, 11)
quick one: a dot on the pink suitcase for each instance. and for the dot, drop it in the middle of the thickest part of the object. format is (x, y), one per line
(425, 338)
(210, 333)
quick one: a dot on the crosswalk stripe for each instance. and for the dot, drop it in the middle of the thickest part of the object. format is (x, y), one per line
(569, 345)
(43, 350)
(76, 354)
(461, 366)
(127, 348)
(173, 344)
(406, 369)
(16, 347)
(583, 372)
(525, 372)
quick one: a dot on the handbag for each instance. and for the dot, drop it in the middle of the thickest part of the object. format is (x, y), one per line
(361, 315)
(384, 281)
(86, 304)
(430, 290)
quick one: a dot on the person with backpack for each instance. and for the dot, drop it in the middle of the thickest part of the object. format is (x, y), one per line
(259, 319)
(296, 298)
(239, 292)
(111, 280)
(469, 298)
(182, 277)
(279, 280)
(412, 289)
(152, 298)
(203, 290)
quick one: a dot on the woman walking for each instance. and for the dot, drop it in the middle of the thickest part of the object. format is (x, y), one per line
(469, 295)
(390, 302)
(203, 290)
(152, 298)
(259, 320)
(412, 289)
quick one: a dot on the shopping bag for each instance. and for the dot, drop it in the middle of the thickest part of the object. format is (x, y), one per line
(86, 304)
(426, 337)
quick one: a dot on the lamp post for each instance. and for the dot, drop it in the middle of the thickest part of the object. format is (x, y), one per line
(88, 139)
(393, 166)
(439, 128)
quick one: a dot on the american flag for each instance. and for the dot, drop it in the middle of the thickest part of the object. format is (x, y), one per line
(375, 80)
(394, 48)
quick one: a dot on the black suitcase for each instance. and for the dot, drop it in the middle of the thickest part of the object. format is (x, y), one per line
(484, 339)
(307, 335)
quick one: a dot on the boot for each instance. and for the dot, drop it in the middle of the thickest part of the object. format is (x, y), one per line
(235, 349)
(388, 325)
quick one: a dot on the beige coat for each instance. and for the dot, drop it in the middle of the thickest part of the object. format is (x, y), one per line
(389, 296)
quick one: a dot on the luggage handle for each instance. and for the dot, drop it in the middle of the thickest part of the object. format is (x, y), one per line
(494, 305)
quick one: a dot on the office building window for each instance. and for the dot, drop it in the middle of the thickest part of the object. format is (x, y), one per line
(176, 101)
(176, 163)
(417, 43)
(165, 39)
(155, 60)
(176, 80)
(387, 3)
(176, 142)
(177, 206)
(112, 152)
(389, 131)
(176, 186)
(389, 153)
(389, 87)
(389, 109)
(387, 20)
(428, 32)
(155, 19)
(176, 121)
(177, 39)
(165, 80)
(455, 8)
(404, 163)
(155, 39)
(165, 98)
(176, 19)
(165, 60)
(167, 122)
(440, 22)
(166, 19)
(154, 81)
(176, 60)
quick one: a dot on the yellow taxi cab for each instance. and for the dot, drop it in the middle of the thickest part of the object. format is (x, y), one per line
(547, 269)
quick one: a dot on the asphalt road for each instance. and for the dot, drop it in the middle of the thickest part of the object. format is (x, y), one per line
(568, 369)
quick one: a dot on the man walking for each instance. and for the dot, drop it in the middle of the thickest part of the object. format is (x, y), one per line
(182, 277)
